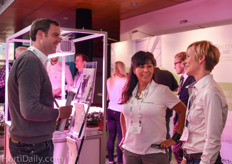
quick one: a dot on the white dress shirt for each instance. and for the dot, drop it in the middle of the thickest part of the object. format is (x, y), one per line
(55, 75)
(185, 77)
(43, 58)
(206, 119)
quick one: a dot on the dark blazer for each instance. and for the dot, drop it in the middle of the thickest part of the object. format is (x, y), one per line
(166, 78)
(183, 93)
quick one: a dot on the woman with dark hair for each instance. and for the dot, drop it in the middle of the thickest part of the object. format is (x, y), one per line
(115, 86)
(143, 114)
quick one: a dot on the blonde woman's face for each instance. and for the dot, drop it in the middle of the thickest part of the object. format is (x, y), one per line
(191, 64)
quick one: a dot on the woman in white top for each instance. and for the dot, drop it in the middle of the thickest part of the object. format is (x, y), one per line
(208, 108)
(115, 86)
(143, 114)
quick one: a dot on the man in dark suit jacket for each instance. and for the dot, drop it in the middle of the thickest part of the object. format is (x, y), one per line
(183, 95)
(166, 78)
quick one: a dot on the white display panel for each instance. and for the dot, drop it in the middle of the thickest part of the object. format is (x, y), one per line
(123, 51)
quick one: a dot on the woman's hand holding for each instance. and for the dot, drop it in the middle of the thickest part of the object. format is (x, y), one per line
(167, 143)
(183, 161)
(121, 143)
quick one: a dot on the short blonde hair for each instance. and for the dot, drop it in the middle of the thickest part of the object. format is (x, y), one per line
(119, 69)
(210, 51)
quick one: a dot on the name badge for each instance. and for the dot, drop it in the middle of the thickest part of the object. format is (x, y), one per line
(135, 128)
(184, 136)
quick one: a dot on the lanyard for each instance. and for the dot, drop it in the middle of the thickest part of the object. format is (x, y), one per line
(190, 103)
(139, 103)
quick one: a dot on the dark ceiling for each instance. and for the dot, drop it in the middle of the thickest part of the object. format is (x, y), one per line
(106, 14)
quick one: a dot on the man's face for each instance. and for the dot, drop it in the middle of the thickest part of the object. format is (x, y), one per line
(179, 66)
(50, 40)
(80, 64)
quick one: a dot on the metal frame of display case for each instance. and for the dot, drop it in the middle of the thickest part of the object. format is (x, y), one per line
(91, 34)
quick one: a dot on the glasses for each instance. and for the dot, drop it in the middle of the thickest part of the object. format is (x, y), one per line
(177, 63)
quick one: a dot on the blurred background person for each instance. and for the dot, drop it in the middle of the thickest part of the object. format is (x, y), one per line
(79, 83)
(115, 86)
(54, 69)
(165, 77)
(80, 63)
(3, 83)
(183, 95)
(208, 108)
(142, 119)
(18, 51)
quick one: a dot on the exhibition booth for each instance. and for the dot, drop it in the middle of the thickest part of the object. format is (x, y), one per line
(75, 139)
(164, 47)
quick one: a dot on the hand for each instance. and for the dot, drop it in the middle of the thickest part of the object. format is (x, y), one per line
(183, 161)
(71, 88)
(121, 143)
(65, 111)
(167, 143)
(56, 91)
(66, 87)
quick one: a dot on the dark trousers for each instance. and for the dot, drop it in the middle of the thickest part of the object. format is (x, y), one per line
(177, 148)
(167, 137)
(197, 161)
(113, 119)
(41, 153)
(178, 151)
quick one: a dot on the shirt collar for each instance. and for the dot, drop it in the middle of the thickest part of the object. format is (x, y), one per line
(203, 81)
(79, 73)
(43, 58)
(152, 82)
(198, 85)
(185, 76)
